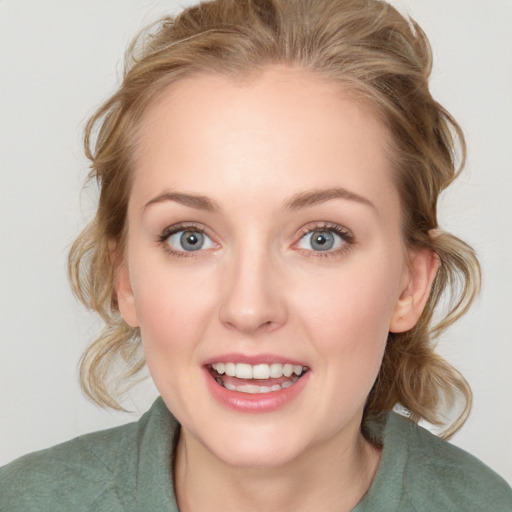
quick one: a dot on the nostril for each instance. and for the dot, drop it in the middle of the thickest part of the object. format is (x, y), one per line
(250, 321)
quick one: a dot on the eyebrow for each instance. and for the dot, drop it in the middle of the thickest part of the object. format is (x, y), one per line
(296, 202)
(192, 201)
(304, 199)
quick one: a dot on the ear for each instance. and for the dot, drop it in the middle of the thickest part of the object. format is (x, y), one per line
(123, 287)
(420, 274)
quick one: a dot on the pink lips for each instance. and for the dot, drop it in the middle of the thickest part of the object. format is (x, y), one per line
(257, 402)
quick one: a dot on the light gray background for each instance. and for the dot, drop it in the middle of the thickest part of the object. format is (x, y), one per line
(60, 59)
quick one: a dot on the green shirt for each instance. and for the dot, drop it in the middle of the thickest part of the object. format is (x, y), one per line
(129, 469)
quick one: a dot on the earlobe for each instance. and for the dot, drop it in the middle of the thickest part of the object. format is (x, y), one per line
(420, 276)
(125, 296)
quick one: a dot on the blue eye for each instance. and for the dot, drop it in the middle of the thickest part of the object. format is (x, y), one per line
(321, 241)
(189, 241)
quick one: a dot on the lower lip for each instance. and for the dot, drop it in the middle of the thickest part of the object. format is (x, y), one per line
(257, 402)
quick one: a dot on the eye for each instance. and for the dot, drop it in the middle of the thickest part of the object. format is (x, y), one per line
(325, 239)
(189, 241)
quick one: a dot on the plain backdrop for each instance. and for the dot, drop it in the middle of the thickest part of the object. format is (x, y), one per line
(60, 59)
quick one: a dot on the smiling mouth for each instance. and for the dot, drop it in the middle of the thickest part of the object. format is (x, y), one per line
(256, 379)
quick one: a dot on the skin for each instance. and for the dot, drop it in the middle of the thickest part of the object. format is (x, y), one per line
(259, 287)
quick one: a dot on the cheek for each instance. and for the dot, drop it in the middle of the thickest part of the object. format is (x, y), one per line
(347, 318)
(173, 306)
(348, 313)
(357, 298)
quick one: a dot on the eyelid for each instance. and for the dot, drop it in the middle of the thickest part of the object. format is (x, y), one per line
(171, 230)
(325, 226)
(344, 233)
(181, 226)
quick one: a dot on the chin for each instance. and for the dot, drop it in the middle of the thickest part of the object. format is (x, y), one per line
(261, 441)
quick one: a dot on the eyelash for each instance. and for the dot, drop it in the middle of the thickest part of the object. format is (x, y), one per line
(345, 234)
(171, 230)
(342, 232)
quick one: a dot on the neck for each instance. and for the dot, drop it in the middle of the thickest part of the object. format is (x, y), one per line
(332, 476)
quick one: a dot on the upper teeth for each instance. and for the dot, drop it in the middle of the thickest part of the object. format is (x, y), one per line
(258, 371)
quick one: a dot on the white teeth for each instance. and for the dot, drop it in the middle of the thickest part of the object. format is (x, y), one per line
(243, 371)
(276, 370)
(258, 371)
(230, 369)
(261, 371)
(287, 369)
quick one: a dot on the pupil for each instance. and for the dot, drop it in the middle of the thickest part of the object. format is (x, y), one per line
(192, 241)
(322, 240)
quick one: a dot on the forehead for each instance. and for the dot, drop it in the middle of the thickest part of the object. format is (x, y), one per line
(285, 127)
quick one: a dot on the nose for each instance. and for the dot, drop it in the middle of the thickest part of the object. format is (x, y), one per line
(253, 295)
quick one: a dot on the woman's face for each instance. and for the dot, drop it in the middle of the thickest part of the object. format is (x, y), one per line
(263, 230)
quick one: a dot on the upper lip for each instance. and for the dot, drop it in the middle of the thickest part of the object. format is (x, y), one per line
(252, 359)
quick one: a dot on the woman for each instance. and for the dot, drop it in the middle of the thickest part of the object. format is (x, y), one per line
(267, 233)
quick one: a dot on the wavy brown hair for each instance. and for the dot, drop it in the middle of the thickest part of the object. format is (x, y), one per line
(372, 51)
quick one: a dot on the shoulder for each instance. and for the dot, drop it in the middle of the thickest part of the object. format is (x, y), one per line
(76, 475)
(441, 476)
(126, 468)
